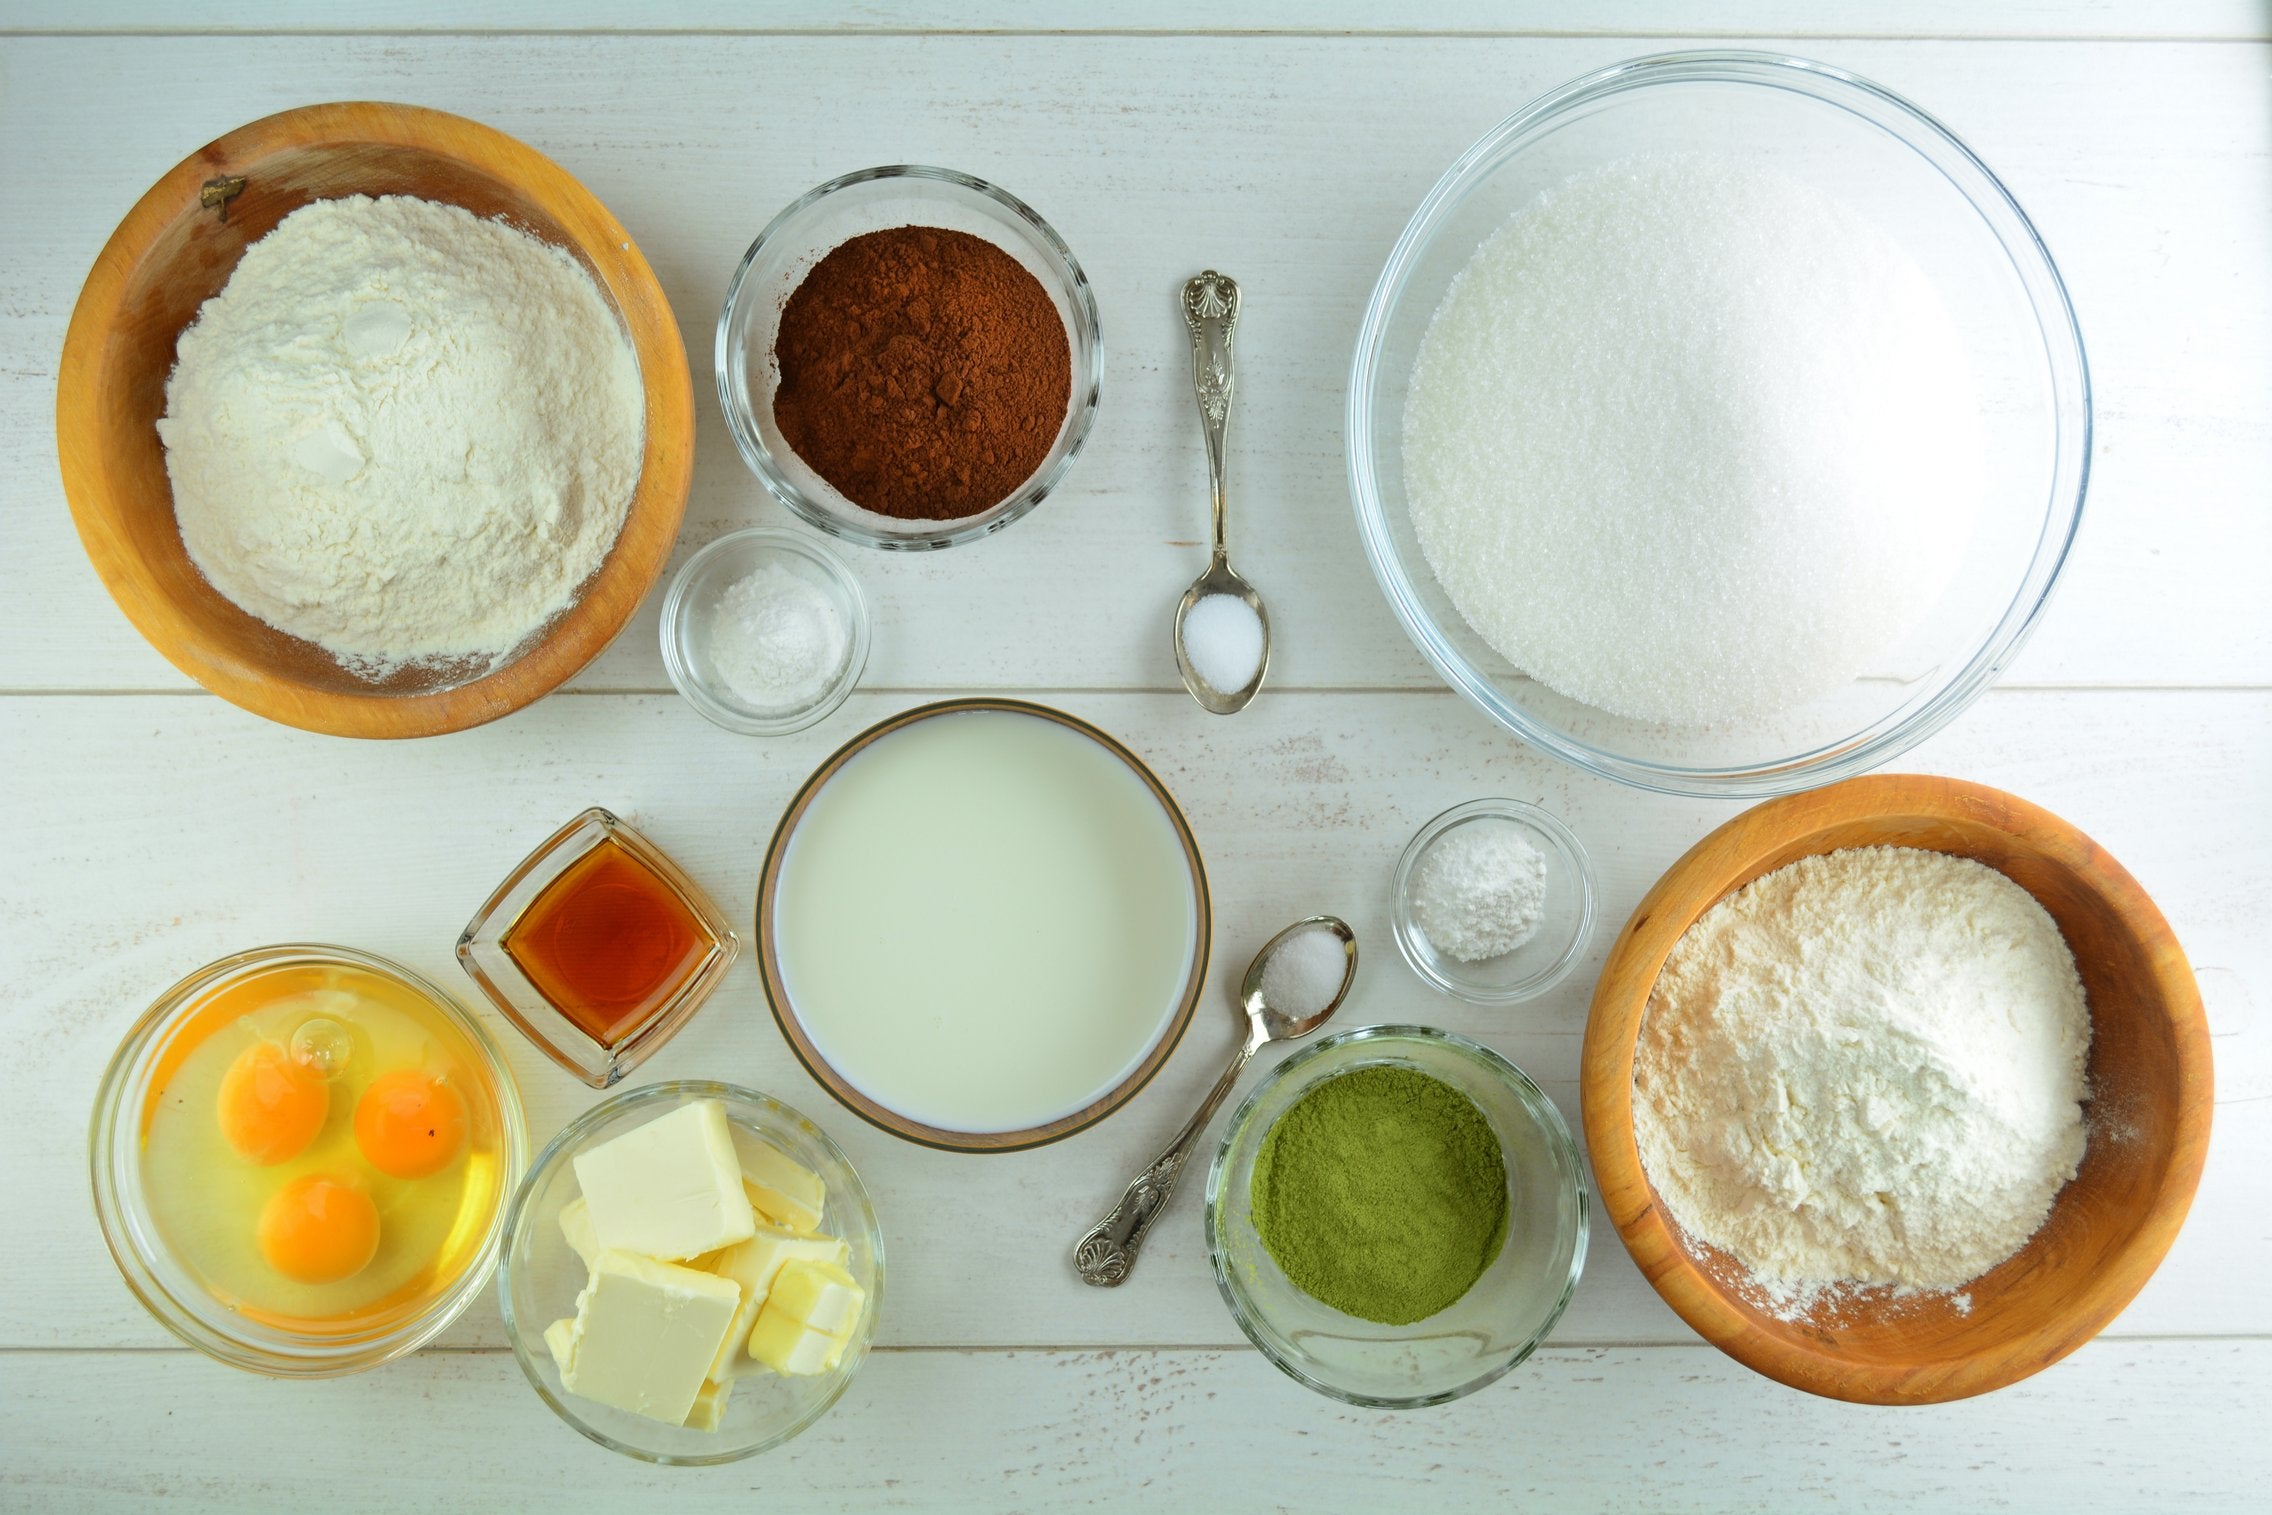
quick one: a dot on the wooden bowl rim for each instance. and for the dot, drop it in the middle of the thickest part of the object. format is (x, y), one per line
(1699, 880)
(651, 520)
(882, 1116)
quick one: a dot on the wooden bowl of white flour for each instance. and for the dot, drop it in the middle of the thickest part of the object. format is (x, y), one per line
(291, 656)
(1772, 1149)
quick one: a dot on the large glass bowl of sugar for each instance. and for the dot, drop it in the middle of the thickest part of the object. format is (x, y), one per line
(1907, 176)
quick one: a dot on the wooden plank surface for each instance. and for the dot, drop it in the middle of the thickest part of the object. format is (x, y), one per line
(1611, 1429)
(1293, 164)
(156, 828)
(1934, 19)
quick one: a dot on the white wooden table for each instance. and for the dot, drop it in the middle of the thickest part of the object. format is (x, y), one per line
(153, 827)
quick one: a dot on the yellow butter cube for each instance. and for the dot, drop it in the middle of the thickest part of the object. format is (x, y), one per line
(790, 1347)
(709, 1410)
(576, 1225)
(779, 1211)
(821, 1294)
(752, 1266)
(807, 1319)
(644, 1335)
(670, 1189)
(782, 1189)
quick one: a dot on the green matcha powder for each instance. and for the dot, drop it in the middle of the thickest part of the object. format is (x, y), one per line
(1382, 1193)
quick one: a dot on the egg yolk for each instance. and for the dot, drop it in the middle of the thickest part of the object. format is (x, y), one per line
(410, 1124)
(319, 1230)
(271, 1106)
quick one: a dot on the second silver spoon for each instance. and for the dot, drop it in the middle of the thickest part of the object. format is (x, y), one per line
(1108, 1250)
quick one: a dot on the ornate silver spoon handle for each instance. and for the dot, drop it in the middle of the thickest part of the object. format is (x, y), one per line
(1108, 1251)
(1211, 310)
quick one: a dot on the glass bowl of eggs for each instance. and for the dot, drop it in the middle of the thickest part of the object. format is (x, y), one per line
(301, 1156)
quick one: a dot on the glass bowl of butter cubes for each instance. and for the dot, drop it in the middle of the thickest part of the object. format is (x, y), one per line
(691, 1273)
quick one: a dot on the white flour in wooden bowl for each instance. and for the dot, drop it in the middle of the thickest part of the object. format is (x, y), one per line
(403, 433)
(1865, 1068)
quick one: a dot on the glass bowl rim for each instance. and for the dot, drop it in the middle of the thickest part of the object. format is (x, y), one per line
(308, 1356)
(561, 1149)
(1404, 926)
(673, 624)
(2049, 303)
(1553, 1127)
(1081, 402)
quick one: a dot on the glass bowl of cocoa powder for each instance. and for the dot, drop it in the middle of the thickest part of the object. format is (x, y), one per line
(909, 357)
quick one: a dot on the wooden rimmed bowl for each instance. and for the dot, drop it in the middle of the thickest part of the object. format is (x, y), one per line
(175, 250)
(874, 1111)
(2148, 1115)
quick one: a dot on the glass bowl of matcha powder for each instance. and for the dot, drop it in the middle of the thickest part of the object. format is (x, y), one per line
(1397, 1216)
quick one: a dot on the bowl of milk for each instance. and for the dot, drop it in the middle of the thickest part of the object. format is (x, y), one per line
(983, 925)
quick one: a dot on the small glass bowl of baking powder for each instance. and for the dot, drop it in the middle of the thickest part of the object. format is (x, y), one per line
(1563, 906)
(765, 632)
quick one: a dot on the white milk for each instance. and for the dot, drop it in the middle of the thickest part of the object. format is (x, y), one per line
(985, 921)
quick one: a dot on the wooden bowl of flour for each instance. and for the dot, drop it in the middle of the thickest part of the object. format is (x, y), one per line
(2148, 1116)
(177, 247)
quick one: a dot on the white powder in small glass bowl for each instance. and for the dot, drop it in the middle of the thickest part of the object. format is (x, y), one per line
(1479, 890)
(777, 640)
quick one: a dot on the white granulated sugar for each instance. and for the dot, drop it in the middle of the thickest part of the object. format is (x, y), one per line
(1865, 1069)
(1305, 972)
(1222, 636)
(403, 433)
(1688, 440)
(777, 641)
(1479, 889)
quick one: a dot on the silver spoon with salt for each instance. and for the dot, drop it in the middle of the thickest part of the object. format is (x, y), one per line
(1237, 622)
(1105, 1254)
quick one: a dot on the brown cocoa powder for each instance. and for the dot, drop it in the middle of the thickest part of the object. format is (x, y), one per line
(924, 372)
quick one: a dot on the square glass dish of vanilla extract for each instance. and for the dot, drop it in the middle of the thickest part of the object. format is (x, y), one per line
(598, 947)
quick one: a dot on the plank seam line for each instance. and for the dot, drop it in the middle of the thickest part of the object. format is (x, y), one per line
(949, 690)
(1196, 34)
(918, 1350)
